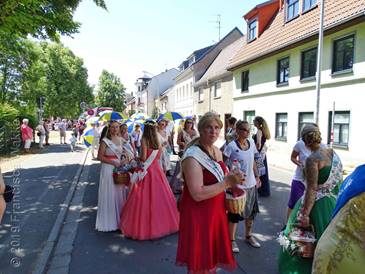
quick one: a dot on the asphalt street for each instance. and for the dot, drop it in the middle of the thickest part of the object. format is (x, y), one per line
(43, 181)
(110, 253)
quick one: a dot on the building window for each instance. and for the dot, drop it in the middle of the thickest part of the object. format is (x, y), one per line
(309, 63)
(292, 9)
(200, 95)
(343, 54)
(304, 119)
(308, 4)
(249, 116)
(341, 128)
(244, 81)
(281, 127)
(283, 71)
(252, 30)
(217, 90)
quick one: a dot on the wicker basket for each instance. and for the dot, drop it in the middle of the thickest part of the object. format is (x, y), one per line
(306, 245)
(235, 205)
(121, 178)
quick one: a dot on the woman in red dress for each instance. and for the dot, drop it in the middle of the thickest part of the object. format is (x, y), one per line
(150, 211)
(204, 242)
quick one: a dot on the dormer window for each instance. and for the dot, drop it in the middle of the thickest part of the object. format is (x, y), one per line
(292, 9)
(309, 4)
(252, 30)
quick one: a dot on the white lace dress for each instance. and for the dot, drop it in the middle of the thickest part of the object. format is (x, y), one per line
(111, 197)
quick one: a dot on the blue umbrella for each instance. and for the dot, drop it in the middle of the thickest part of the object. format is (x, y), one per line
(132, 124)
(171, 115)
(88, 137)
(111, 116)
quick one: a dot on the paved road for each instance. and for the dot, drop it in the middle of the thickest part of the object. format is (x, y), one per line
(44, 181)
(111, 253)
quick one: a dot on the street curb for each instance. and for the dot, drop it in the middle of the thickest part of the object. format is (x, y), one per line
(42, 261)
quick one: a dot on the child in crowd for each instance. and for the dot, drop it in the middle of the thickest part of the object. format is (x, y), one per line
(73, 141)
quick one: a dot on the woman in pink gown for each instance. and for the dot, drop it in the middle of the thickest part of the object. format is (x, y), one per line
(150, 211)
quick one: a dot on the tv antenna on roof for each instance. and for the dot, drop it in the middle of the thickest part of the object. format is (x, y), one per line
(218, 25)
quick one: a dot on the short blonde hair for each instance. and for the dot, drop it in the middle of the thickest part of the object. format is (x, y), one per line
(25, 121)
(207, 118)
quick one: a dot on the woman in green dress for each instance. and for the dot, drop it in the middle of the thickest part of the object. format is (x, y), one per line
(323, 174)
(341, 248)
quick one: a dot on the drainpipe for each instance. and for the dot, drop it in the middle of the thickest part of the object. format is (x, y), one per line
(319, 61)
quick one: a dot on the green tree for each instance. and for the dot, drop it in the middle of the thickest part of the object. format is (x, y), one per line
(40, 18)
(65, 80)
(110, 92)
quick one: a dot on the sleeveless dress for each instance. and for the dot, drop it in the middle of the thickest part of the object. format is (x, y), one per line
(320, 217)
(204, 242)
(264, 190)
(341, 248)
(111, 197)
(150, 211)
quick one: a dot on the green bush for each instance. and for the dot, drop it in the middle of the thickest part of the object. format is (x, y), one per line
(7, 113)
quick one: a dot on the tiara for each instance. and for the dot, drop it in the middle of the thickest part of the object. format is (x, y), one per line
(150, 123)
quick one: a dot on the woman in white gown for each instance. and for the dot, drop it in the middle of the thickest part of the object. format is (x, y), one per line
(111, 197)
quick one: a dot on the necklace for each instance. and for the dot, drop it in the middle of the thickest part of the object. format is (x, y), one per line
(243, 144)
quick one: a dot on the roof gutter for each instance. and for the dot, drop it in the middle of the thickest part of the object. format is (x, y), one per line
(293, 43)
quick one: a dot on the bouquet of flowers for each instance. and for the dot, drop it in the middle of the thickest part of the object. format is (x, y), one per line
(298, 242)
(121, 175)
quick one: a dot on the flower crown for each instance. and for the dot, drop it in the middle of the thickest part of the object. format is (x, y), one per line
(150, 123)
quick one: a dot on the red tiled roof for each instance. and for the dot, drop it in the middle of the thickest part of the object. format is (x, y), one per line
(279, 34)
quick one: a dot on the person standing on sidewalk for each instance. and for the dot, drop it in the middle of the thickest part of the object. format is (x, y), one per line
(47, 130)
(96, 140)
(260, 138)
(27, 135)
(243, 150)
(111, 197)
(41, 133)
(137, 137)
(62, 128)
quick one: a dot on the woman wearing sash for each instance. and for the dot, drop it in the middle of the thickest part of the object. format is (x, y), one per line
(165, 145)
(323, 175)
(111, 197)
(150, 211)
(341, 248)
(204, 242)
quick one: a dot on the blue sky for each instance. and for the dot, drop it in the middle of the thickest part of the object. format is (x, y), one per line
(142, 35)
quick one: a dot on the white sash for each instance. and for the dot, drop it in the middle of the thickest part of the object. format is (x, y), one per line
(203, 159)
(138, 176)
(113, 147)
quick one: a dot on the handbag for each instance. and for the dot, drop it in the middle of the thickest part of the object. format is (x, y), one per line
(8, 193)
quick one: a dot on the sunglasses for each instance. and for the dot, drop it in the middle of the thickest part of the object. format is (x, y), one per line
(243, 129)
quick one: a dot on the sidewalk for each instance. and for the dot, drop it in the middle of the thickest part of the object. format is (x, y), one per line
(9, 163)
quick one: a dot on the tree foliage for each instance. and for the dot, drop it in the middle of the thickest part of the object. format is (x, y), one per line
(110, 92)
(46, 19)
(30, 70)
